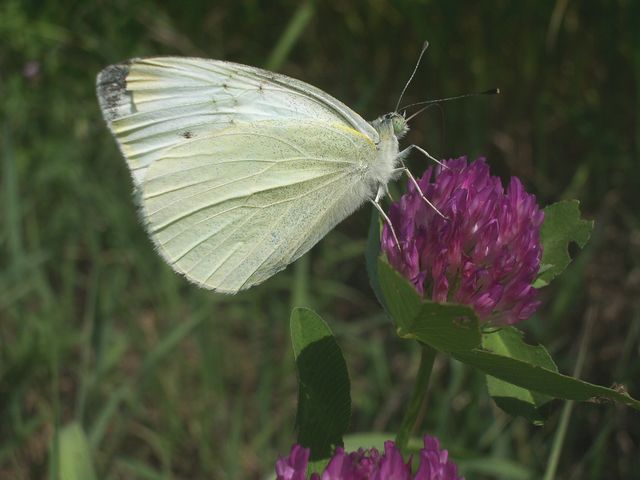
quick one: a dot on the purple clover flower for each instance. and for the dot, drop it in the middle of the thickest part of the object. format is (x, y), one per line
(485, 254)
(372, 465)
(293, 467)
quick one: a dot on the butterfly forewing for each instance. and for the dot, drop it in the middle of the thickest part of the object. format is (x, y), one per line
(155, 103)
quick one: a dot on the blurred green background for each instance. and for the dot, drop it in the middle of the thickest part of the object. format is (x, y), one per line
(172, 382)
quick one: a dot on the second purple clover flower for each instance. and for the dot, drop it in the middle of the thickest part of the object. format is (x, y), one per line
(486, 252)
(434, 464)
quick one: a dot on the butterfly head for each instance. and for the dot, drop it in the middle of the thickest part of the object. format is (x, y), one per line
(391, 123)
(399, 123)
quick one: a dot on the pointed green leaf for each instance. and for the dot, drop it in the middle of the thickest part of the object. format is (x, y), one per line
(401, 298)
(445, 327)
(75, 455)
(515, 400)
(562, 225)
(540, 379)
(324, 402)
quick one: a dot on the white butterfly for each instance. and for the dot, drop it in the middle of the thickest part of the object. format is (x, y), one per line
(239, 171)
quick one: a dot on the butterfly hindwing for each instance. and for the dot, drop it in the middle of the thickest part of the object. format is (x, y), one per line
(230, 209)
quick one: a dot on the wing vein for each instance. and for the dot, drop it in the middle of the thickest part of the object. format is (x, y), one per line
(294, 256)
(201, 241)
(248, 160)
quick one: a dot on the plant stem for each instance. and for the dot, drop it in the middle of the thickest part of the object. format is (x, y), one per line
(297, 24)
(565, 416)
(408, 425)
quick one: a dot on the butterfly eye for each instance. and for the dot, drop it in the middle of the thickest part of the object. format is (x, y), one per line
(399, 125)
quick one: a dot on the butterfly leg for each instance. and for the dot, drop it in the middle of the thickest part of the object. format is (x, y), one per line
(419, 190)
(400, 159)
(376, 203)
(387, 192)
(406, 151)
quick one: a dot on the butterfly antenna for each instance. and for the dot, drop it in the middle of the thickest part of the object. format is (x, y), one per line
(415, 114)
(420, 111)
(428, 103)
(425, 45)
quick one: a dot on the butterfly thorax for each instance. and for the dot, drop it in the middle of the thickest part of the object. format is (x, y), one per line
(390, 127)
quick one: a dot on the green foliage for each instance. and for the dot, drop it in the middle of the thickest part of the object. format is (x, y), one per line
(75, 454)
(532, 376)
(371, 255)
(562, 225)
(85, 300)
(324, 402)
(492, 468)
(454, 329)
(514, 400)
(365, 440)
(447, 328)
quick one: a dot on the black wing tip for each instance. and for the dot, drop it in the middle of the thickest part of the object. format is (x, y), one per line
(111, 88)
(114, 75)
